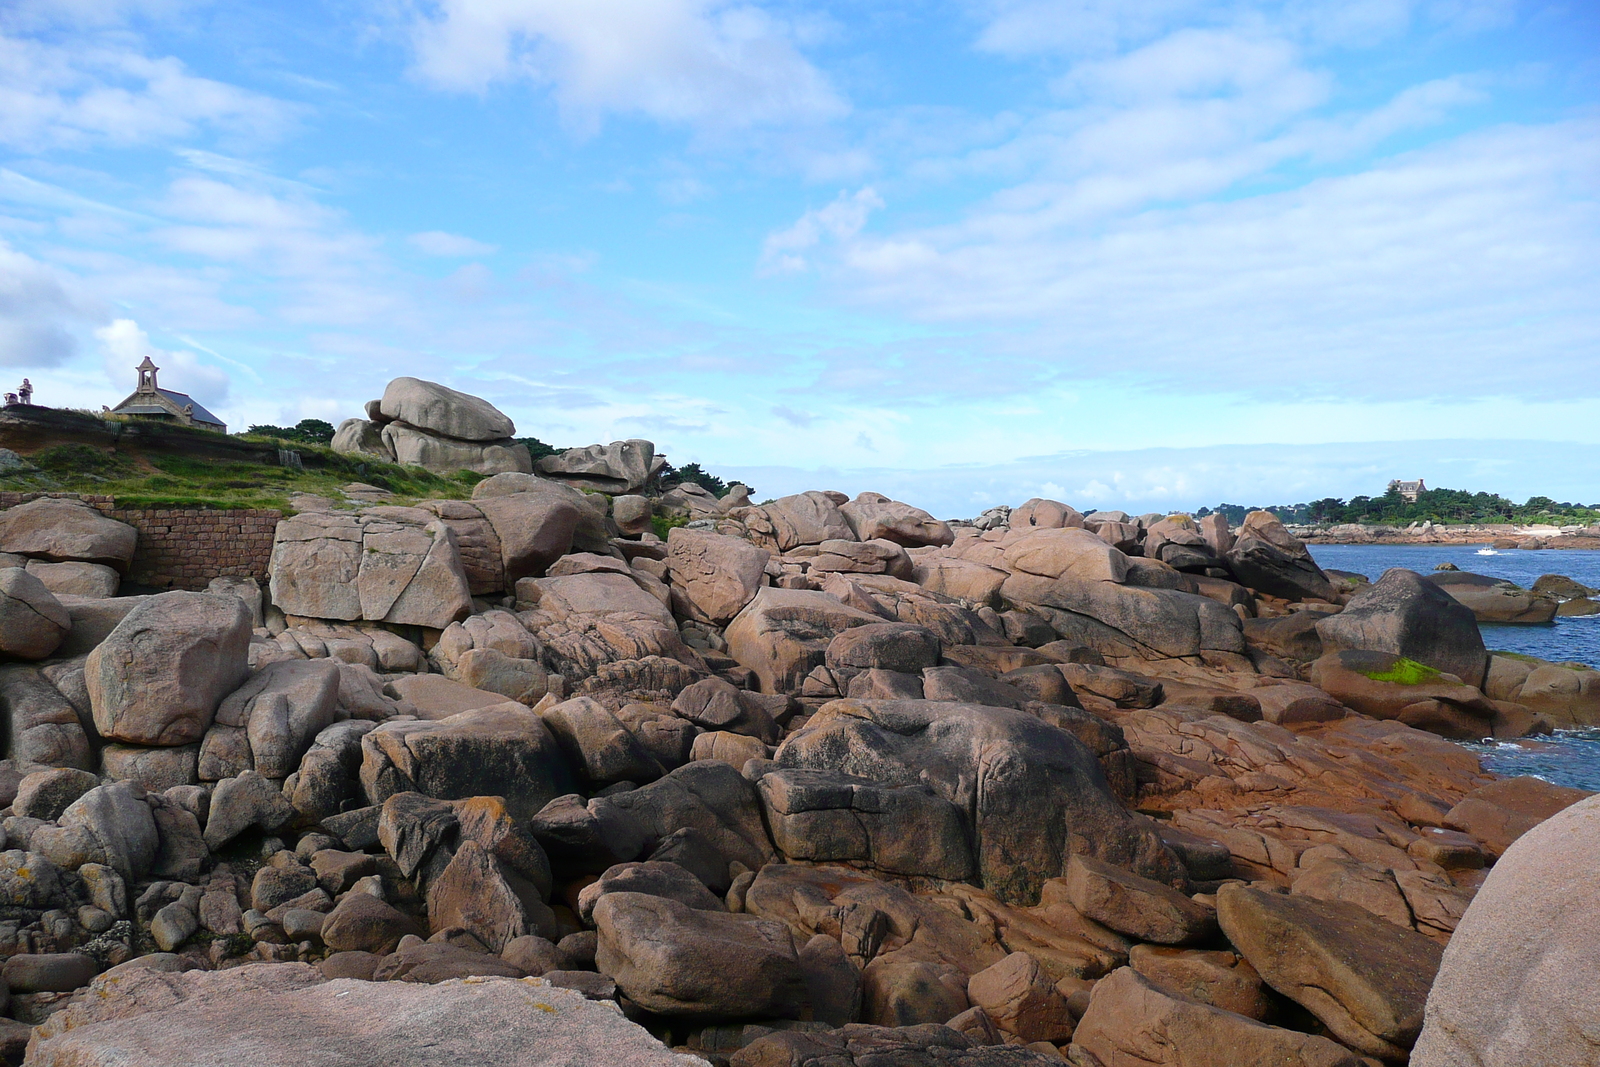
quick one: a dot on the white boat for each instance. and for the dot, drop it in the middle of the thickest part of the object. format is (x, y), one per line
(1487, 552)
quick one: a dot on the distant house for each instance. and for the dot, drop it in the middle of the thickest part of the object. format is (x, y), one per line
(150, 401)
(1408, 490)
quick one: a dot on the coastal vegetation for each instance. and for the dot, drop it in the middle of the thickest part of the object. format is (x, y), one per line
(186, 482)
(1452, 506)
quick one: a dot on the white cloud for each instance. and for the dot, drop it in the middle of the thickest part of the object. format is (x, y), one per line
(124, 346)
(1462, 269)
(708, 63)
(39, 308)
(1079, 28)
(439, 243)
(842, 220)
(89, 93)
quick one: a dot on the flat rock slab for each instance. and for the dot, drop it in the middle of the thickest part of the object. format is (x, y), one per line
(288, 1015)
(1364, 977)
(1136, 906)
(1131, 1021)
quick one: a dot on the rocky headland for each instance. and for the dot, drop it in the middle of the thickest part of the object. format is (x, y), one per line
(818, 781)
(1500, 536)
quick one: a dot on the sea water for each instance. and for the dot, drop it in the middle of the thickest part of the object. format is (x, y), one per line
(1568, 757)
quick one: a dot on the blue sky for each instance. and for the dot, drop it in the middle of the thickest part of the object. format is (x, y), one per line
(1140, 255)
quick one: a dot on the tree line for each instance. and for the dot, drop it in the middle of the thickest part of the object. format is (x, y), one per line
(1449, 506)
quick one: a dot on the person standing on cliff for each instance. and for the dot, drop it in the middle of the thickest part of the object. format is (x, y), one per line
(25, 392)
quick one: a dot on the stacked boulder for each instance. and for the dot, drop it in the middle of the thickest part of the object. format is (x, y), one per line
(71, 548)
(425, 424)
(620, 468)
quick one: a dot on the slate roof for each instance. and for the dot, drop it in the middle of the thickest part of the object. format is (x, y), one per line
(185, 400)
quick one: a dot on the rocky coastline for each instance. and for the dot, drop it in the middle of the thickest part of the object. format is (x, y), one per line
(1500, 536)
(816, 782)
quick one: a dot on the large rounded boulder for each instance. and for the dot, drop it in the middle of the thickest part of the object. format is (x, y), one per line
(1407, 615)
(158, 677)
(1516, 982)
(441, 410)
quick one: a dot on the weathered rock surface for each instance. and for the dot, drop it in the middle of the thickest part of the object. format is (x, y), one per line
(1020, 998)
(388, 564)
(1222, 979)
(1495, 599)
(281, 709)
(445, 455)
(441, 410)
(363, 923)
(119, 829)
(1499, 813)
(708, 797)
(598, 746)
(783, 634)
(288, 1015)
(361, 437)
(479, 894)
(41, 725)
(1267, 557)
(158, 677)
(872, 516)
(1031, 793)
(1385, 686)
(1126, 622)
(717, 575)
(791, 521)
(906, 829)
(1141, 908)
(1366, 979)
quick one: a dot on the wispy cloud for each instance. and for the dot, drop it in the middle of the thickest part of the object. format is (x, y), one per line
(699, 62)
(439, 243)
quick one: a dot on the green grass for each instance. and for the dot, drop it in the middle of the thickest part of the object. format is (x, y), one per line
(183, 482)
(663, 525)
(1405, 672)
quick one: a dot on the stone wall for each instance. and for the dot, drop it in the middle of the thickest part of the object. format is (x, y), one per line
(184, 548)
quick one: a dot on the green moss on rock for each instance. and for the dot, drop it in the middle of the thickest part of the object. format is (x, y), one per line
(1405, 672)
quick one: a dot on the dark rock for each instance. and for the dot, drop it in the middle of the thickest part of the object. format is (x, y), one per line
(504, 751)
(46, 794)
(50, 972)
(708, 796)
(825, 816)
(441, 962)
(674, 960)
(891, 646)
(653, 878)
(1025, 787)
(238, 804)
(479, 894)
(1407, 615)
(363, 923)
